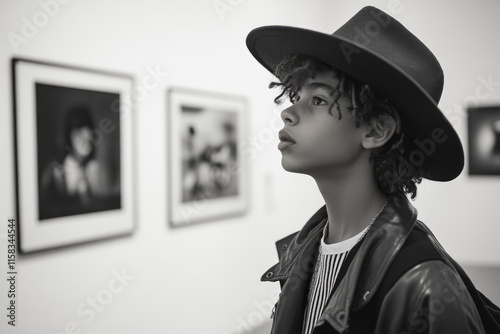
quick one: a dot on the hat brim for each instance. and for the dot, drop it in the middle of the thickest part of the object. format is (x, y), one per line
(431, 143)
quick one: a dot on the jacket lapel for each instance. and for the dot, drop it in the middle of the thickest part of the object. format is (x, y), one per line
(290, 247)
(297, 254)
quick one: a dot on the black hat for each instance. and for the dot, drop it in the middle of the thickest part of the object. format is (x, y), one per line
(377, 50)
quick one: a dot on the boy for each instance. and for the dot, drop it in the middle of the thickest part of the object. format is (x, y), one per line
(364, 123)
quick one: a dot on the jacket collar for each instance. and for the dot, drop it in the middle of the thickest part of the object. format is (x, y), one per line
(290, 247)
(381, 244)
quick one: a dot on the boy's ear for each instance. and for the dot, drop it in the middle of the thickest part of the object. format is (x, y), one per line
(378, 131)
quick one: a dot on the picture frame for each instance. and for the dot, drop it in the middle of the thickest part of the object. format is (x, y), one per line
(484, 140)
(207, 179)
(73, 153)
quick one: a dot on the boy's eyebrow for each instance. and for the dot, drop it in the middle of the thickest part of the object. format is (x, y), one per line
(330, 89)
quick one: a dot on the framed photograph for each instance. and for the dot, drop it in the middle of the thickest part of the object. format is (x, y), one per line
(207, 172)
(73, 154)
(484, 140)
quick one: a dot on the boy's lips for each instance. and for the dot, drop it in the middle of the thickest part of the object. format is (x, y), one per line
(286, 140)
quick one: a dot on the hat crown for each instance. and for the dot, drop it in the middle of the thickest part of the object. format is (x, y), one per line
(372, 30)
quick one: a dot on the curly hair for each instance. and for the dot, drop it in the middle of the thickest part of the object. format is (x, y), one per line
(391, 169)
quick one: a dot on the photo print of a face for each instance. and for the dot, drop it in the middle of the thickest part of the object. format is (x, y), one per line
(209, 153)
(484, 140)
(73, 154)
(78, 145)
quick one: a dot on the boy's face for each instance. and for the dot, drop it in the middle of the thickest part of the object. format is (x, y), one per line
(314, 140)
(81, 141)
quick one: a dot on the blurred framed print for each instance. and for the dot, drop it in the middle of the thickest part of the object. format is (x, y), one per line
(73, 154)
(484, 140)
(207, 172)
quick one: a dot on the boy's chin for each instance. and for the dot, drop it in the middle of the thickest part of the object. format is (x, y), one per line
(293, 167)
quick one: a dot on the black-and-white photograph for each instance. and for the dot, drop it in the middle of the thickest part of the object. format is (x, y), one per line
(207, 172)
(250, 167)
(74, 154)
(78, 148)
(484, 140)
(209, 153)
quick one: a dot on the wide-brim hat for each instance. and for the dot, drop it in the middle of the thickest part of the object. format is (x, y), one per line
(378, 50)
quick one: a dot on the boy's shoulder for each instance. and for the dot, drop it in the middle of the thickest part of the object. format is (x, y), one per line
(418, 248)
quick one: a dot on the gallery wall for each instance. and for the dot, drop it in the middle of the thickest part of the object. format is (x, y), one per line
(204, 278)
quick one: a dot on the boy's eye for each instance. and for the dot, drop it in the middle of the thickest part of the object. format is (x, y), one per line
(317, 101)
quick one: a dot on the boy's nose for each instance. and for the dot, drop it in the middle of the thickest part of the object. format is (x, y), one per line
(289, 115)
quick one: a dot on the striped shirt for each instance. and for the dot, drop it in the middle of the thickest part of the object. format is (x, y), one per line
(328, 263)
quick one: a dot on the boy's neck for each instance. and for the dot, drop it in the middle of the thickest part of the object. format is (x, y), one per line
(352, 200)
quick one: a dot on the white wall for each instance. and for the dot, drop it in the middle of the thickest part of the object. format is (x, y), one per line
(205, 278)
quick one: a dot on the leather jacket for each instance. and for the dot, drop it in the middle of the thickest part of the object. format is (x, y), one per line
(427, 297)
